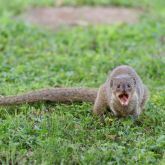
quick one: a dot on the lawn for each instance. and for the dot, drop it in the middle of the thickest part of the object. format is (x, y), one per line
(33, 57)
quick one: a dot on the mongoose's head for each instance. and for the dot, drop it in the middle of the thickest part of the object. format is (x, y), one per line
(123, 88)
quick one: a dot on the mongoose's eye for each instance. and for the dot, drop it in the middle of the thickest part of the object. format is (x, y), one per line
(128, 85)
(118, 86)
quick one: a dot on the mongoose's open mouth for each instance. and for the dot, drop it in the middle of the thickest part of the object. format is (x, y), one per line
(124, 99)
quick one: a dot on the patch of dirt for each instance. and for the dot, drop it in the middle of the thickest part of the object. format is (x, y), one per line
(72, 16)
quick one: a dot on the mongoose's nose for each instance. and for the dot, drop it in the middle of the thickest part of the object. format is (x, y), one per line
(123, 88)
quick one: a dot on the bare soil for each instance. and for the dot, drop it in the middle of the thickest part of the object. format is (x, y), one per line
(82, 16)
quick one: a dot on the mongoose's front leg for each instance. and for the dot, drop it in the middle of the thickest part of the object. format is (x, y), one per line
(100, 104)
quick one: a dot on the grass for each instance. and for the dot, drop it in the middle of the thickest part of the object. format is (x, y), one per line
(33, 57)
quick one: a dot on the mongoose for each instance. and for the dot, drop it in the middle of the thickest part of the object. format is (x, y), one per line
(123, 93)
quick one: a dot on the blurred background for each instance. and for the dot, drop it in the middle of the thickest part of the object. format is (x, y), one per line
(45, 43)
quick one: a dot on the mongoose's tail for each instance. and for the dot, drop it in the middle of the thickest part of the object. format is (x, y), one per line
(58, 95)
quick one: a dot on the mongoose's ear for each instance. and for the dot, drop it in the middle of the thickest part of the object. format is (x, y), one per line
(111, 83)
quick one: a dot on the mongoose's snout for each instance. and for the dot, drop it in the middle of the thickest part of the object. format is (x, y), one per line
(123, 89)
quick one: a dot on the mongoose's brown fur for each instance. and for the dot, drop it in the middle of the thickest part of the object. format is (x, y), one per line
(57, 95)
(123, 93)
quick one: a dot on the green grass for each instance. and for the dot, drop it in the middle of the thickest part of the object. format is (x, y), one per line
(33, 57)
